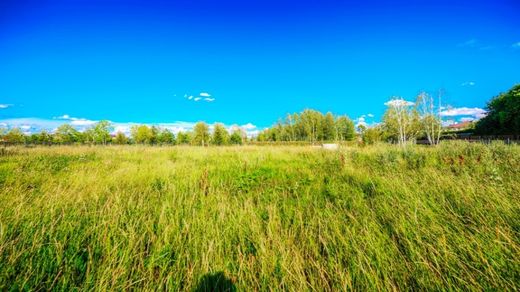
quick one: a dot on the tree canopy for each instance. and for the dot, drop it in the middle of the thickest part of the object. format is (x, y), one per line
(503, 116)
(310, 125)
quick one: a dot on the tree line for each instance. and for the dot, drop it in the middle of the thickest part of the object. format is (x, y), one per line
(312, 126)
(403, 122)
(100, 134)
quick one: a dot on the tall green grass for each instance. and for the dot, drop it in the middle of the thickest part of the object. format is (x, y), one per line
(260, 218)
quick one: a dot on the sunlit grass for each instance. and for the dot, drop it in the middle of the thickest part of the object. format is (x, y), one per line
(297, 218)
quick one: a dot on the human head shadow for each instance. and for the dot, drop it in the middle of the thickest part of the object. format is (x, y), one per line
(215, 282)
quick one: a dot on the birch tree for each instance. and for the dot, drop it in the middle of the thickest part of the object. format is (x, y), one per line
(401, 119)
(429, 111)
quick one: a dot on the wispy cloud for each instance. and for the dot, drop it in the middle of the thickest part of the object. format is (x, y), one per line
(468, 83)
(516, 45)
(464, 111)
(370, 115)
(472, 43)
(204, 96)
(4, 105)
(475, 44)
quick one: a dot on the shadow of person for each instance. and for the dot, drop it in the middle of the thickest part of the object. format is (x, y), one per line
(215, 282)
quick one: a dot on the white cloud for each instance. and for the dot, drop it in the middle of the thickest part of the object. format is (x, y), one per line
(467, 119)
(516, 45)
(463, 111)
(3, 105)
(197, 98)
(190, 97)
(448, 123)
(209, 99)
(468, 83)
(25, 127)
(248, 126)
(63, 117)
(398, 102)
(82, 122)
(370, 115)
(205, 94)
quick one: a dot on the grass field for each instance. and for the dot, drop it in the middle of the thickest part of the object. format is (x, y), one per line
(260, 218)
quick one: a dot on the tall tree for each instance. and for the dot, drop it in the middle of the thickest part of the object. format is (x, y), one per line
(430, 116)
(66, 134)
(14, 136)
(166, 137)
(101, 131)
(142, 134)
(503, 117)
(200, 134)
(183, 138)
(220, 135)
(345, 129)
(45, 138)
(236, 138)
(401, 120)
(329, 127)
(120, 138)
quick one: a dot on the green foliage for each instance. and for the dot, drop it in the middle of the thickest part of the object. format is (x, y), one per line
(503, 116)
(220, 135)
(120, 138)
(312, 126)
(99, 133)
(183, 138)
(345, 128)
(166, 137)
(14, 136)
(260, 218)
(66, 134)
(236, 138)
(201, 135)
(401, 121)
(142, 134)
(372, 135)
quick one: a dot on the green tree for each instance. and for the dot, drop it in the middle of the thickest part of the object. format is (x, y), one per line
(236, 138)
(66, 134)
(345, 129)
(503, 117)
(200, 134)
(166, 137)
(372, 135)
(142, 134)
(329, 128)
(14, 136)
(183, 138)
(101, 132)
(220, 135)
(120, 138)
(401, 120)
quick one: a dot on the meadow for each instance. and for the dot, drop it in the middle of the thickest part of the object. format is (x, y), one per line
(260, 218)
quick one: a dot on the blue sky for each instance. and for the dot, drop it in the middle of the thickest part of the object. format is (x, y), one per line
(253, 61)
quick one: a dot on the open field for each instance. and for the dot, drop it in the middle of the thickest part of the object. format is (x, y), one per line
(260, 218)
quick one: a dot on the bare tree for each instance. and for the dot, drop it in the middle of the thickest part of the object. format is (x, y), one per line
(401, 119)
(430, 115)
